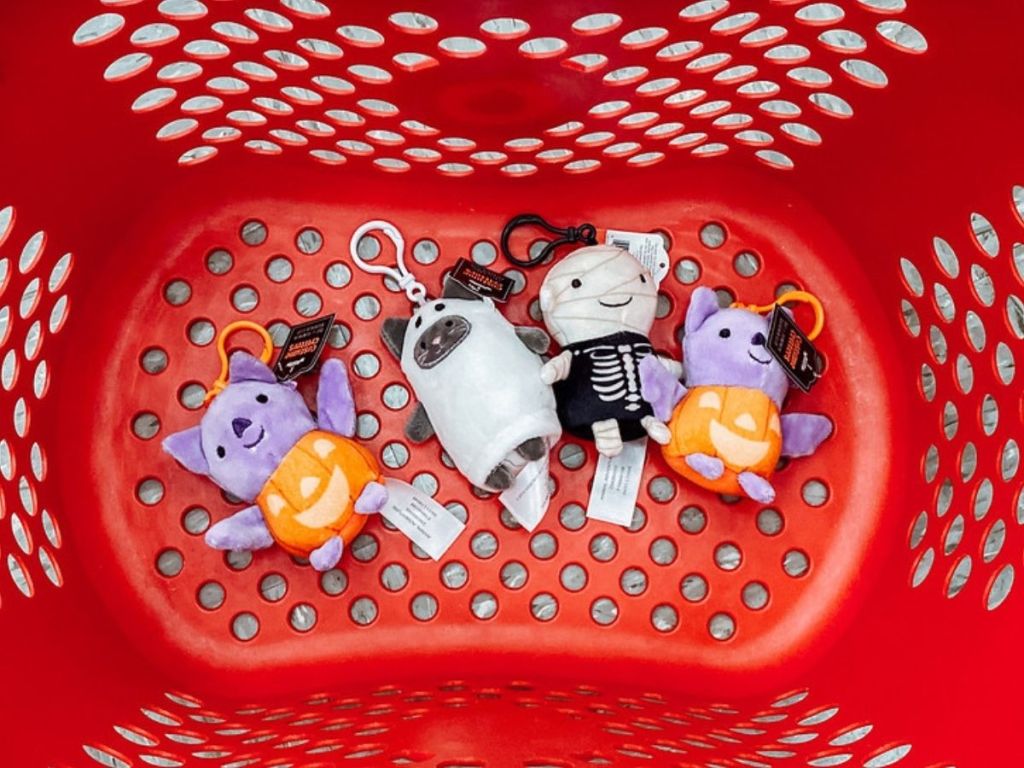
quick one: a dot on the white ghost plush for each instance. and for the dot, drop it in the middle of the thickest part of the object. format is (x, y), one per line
(478, 381)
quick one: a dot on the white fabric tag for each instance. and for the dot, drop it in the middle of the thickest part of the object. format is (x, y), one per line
(646, 247)
(527, 498)
(617, 484)
(428, 524)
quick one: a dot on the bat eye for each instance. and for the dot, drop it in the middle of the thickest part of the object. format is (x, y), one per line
(576, 283)
(758, 339)
(439, 307)
(725, 333)
(221, 452)
(642, 278)
(261, 398)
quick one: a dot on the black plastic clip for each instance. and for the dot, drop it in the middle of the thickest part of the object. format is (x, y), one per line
(584, 233)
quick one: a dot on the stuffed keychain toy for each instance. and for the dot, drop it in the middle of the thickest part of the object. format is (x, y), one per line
(599, 304)
(309, 484)
(477, 378)
(726, 433)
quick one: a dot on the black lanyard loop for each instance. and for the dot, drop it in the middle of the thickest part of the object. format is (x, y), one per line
(584, 233)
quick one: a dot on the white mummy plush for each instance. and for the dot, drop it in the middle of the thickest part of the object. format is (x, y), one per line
(479, 385)
(599, 304)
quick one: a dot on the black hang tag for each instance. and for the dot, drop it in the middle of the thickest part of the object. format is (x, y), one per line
(794, 351)
(482, 281)
(302, 348)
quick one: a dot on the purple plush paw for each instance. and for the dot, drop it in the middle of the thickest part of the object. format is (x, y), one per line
(326, 556)
(710, 467)
(756, 487)
(372, 499)
(241, 532)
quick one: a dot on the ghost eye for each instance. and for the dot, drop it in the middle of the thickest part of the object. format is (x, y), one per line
(439, 307)
(576, 283)
(418, 323)
(643, 279)
(261, 398)
(725, 333)
(221, 452)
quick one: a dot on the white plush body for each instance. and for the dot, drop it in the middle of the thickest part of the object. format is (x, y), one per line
(487, 396)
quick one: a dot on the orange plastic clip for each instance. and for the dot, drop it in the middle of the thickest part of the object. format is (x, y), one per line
(803, 296)
(239, 325)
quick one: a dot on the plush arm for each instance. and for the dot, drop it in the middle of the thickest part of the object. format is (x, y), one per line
(672, 366)
(557, 368)
(418, 428)
(241, 532)
(534, 339)
(659, 387)
(802, 433)
(336, 409)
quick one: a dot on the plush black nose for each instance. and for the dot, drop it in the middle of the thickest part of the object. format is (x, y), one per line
(758, 340)
(239, 426)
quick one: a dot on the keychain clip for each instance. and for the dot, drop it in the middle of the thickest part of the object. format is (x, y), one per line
(239, 325)
(413, 288)
(801, 296)
(585, 233)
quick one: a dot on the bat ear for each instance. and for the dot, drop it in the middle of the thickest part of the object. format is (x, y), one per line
(186, 446)
(245, 367)
(703, 304)
(392, 331)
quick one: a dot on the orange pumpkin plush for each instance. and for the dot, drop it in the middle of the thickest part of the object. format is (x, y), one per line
(310, 485)
(726, 433)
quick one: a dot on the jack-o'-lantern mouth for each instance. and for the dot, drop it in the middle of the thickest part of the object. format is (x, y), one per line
(257, 441)
(757, 359)
(613, 305)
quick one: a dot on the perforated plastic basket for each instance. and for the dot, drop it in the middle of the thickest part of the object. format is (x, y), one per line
(169, 167)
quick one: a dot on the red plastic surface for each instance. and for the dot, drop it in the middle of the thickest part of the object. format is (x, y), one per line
(898, 644)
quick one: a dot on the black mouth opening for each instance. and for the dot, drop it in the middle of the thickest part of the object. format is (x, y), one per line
(612, 306)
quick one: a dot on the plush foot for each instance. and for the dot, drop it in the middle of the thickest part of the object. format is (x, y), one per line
(372, 499)
(326, 556)
(500, 478)
(710, 467)
(756, 487)
(607, 438)
(658, 431)
(243, 531)
(532, 449)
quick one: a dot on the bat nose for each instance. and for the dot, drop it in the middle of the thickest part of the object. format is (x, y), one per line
(239, 426)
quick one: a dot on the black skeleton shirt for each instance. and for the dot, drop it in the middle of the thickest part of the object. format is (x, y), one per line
(604, 383)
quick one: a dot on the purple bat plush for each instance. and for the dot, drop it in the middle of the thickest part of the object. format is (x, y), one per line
(725, 431)
(248, 431)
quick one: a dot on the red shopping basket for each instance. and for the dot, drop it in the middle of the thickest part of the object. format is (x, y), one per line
(171, 166)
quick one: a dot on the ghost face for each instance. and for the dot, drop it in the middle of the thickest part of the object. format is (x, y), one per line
(596, 291)
(727, 347)
(436, 330)
(246, 432)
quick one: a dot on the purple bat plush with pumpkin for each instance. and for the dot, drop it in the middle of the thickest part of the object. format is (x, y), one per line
(309, 485)
(725, 430)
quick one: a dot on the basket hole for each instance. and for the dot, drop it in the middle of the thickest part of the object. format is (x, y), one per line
(279, 269)
(694, 587)
(245, 626)
(484, 545)
(663, 551)
(302, 617)
(755, 595)
(604, 611)
(728, 556)
(633, 581)
(664, 618)
(170, 562)
(796, 563)
(454, 575)
(150, 491)
(484, 605)
(423, 607)
(363, 611)
(692, 519)
(245, 298)
(572, 516)
(770, 522)
(333, 582)
(722, 626)
(1000, 588)
(544, 606)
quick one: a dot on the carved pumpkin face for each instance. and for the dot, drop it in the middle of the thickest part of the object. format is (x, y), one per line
(311, 496)
(740, 426)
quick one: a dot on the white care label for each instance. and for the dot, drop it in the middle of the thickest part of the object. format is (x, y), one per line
(617, 484)
(646, 247)
(428, 524)
(527, 498)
